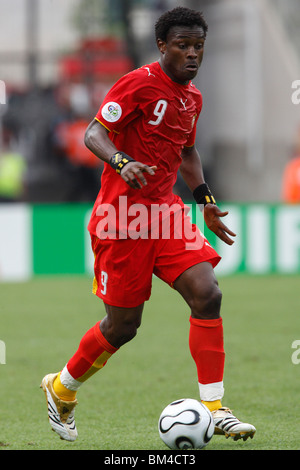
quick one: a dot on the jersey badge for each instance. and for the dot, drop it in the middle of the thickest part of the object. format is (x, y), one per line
(111, 111)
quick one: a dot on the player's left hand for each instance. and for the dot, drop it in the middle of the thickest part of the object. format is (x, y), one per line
(133, 174)
(212, 219)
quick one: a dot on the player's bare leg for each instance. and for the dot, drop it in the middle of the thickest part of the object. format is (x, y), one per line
(199, 287)
(120, 324)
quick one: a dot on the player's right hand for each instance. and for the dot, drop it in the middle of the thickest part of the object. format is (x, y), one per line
(133, 174)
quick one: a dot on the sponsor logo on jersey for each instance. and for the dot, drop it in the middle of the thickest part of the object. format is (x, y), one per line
(111, 111)
(183, 103)
(149, 73)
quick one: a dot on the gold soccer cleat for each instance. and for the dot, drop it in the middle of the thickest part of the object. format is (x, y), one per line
(60, 413)
(227, 424)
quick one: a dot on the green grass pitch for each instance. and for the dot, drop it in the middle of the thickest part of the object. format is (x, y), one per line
(42, 321)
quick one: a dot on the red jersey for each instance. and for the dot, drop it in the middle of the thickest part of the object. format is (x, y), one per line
(151, 118)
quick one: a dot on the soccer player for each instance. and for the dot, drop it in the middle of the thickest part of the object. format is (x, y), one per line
(145, 131)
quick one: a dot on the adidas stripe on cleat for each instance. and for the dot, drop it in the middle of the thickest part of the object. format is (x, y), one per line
(227, 424)
(60, 413)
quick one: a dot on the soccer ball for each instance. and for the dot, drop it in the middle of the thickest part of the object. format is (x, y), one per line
(186, 424)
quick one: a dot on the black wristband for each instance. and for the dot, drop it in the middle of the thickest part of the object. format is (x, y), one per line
(119, 160)
(202, 195)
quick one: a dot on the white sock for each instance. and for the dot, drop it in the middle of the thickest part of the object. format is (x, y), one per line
(211, 392)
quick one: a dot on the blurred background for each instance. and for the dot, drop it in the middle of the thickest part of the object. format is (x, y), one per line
(58, 60)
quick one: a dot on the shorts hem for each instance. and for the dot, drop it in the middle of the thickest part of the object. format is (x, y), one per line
(121, 304)
(213, 261)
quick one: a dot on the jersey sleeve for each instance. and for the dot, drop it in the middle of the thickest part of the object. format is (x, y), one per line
(121, 104)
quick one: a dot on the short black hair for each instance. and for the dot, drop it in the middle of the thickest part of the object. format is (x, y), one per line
(179, 16)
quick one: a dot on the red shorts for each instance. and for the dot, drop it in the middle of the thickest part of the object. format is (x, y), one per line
(124, 268)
